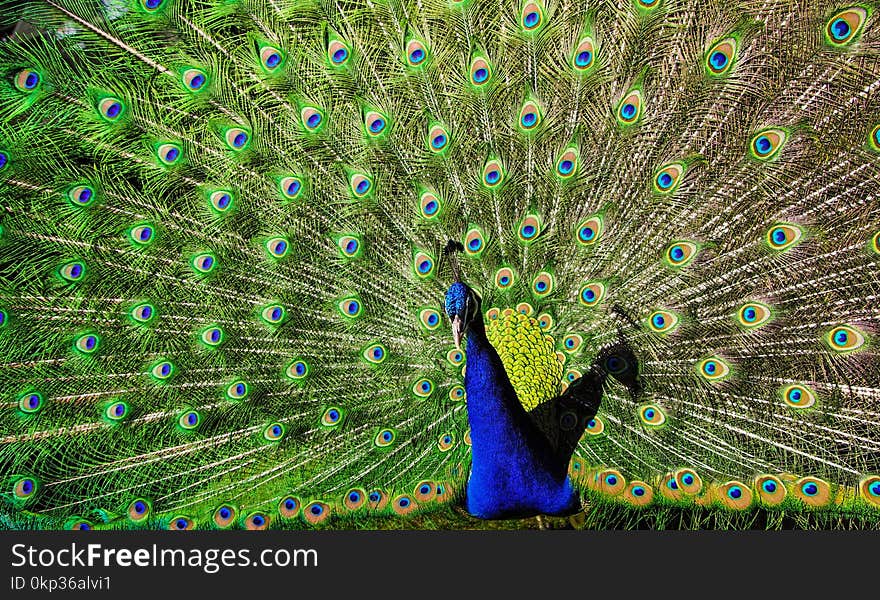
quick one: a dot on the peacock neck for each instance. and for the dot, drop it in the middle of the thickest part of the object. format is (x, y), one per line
(514, 471)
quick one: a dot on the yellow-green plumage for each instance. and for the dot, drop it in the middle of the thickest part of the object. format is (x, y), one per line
(222, 270)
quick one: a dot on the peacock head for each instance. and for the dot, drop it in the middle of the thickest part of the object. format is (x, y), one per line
(463, 308)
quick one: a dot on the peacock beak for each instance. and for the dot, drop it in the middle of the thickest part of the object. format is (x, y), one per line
(457, 330)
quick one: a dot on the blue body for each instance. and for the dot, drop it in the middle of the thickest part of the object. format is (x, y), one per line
(515, 471)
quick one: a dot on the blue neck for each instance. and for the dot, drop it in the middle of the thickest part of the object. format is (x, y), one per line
(514, 471)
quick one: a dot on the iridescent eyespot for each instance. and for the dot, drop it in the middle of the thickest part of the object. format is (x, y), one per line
(354, 499)
(467, 438)
(27, 80)
(237, 390)
(377, 499)
(504, 278)
(181, 523)
(291, 187)
(455, 357)
(429, 319)
(456, 393)
(360, 184)
(845, 26)
(589, 231)
(384, 438)
(162, 370)
(532, 16)
(111, 108)
(203, 262)
(423, 388)
(274, 432)
(571, 376)
(189, 420)
(524, 308)
(332, 417)
(349, 246)
(117, 411)
(630, 108)
(425, 491)
(678, 254)
(651, 415)
(271, 58)
(667, 178)
(688, 481)
(583, 56)
(221, 201)
(753, 314)
(375, 123)
(592, 293)
(438, 138)
(142, 235)
(480, 71)
(446, 442)
(713, 369)
(542, 284)
(224, 516)
(30, 402)
(316, 512)
(429, 205)
(873, 140)
(143, 313)
(350, 308)
(77, 524)
(766, 144)
(567, 163)
(610, 481)
(273, 314)
(338, 53)
(277, 247)
(638, 493)
(73, 271)
(474, 242)
(297, 370)
(735, 495)
(24, 488)
(256, 522)
(870, 489)
(138, 510)
(812, 491)
(783, 236)
(169, 153)
(375, 354)
(529, 116)
(545, 322)
(312, 118)
(648, 4)
(845, 338)
(595, 426)
(236, 138)
(798, 396)
(771, 490)
(720, 57)
(423, 265)
(493, 174)
(662, 321)
(403, 505)
(152, 5)
(81, 195)
(416, 53)
(86, 343)
(572, 343)
(195, 80)
(212, 336)
(529, 229)
(288, 507)
(4, 160)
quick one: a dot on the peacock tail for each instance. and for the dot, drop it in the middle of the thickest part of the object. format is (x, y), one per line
(222, 281)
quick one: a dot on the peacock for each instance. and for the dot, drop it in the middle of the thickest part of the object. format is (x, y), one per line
(394, 263)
